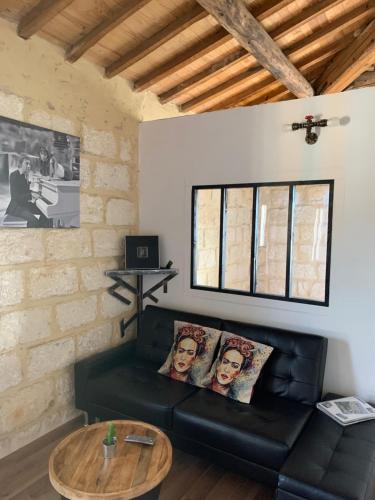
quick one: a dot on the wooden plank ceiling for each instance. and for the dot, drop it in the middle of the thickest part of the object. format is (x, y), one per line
(208, 55)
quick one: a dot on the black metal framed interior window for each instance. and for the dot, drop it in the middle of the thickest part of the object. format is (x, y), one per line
(270, 240)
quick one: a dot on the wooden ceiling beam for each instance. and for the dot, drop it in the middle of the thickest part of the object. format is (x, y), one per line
(350, 63)
(202, 48)
(250, 34)
(367, 79)
(39, 16)
(294, 52)
(154, 42)
(114, 19)
(241, 54)
(308, 64)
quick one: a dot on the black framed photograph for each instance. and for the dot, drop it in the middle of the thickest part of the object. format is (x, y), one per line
(142, 252)
(39, 177)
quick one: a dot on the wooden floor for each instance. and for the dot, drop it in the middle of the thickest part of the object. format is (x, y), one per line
(24, 476)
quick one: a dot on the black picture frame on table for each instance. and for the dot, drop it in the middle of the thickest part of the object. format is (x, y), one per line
(142, 252)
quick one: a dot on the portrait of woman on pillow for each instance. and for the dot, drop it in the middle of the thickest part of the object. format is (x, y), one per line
(190, 344)
(235, 358)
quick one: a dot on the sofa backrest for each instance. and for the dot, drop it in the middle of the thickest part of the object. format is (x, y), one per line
(157, 331)
(295, 369)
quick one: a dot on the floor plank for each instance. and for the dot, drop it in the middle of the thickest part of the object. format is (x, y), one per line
(24, 475)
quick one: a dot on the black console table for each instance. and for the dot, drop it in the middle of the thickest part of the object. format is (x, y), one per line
(119, 276)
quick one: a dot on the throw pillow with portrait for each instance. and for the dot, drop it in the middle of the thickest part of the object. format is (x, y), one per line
(237, 367)
(192, 353)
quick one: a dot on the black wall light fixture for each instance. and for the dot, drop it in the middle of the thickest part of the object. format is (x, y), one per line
(309, 124)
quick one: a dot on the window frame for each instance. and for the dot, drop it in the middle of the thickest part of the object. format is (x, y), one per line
(252, 292)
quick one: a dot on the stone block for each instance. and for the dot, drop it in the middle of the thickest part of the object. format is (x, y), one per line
(11, 106)
(305, 215)
(277, 253)
(318, 291)
(112, 177)
(50, 357)
(277, 270)
(85, 172)
(94, 340)
(52, 281)
(304, 271)
(91, 209)
(112, 307)
(25, 326)
(276, 287)
(10, 370)
(93, 276)
(11, 287)
(99, 142)
(20, 246)
(126, 150)
(64, 388)
(28, 404)
(107, 243)
(304, 233)
(68, 244)
(53, 122)
(76, 313)
(279, 197)
(121, 213)
(278, 234)
(278, 217)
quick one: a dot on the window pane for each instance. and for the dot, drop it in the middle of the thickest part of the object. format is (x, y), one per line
(207, 237)
(271, 244)
(309, 245)
(237, 238)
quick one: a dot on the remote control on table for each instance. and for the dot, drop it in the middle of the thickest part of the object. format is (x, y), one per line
(135, 438)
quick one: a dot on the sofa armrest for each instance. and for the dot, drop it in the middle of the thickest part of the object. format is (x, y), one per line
(96, 364)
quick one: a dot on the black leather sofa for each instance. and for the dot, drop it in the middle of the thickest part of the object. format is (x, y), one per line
(257, 439)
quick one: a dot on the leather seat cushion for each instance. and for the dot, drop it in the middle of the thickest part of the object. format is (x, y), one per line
(138, 391)
(331, 461)
(262, 432)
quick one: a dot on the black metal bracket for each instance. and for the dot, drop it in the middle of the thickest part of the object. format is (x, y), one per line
(118, 277)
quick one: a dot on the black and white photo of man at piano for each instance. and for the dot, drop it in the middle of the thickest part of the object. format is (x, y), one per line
(52, 175)
(21, 205)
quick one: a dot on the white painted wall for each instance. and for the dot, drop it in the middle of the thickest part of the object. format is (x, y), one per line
(256, 145)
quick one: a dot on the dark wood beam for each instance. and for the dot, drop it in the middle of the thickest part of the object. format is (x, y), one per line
(112, 20)
(350, 20)
(202, 48)
(40, 15)
(350, 63)
(161, 37)
(308, 64)
(294, 52)
(234, 16)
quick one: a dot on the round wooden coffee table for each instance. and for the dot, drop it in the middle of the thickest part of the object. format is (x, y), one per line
(77, 469)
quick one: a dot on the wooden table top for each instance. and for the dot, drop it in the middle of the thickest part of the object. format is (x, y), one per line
(77, 469)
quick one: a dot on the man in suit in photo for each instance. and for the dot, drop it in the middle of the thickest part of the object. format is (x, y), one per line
(20, 196)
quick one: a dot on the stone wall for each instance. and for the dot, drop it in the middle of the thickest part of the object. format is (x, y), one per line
(308, 246)
(54, 308)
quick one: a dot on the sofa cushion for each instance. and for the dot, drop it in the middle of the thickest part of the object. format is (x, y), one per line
(156, 335)
(136, 390)
(192, 352)
(237, 367)
(262, 432)
(295, 368)
(331, 462)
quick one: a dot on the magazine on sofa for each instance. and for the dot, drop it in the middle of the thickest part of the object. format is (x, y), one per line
(347, 411)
